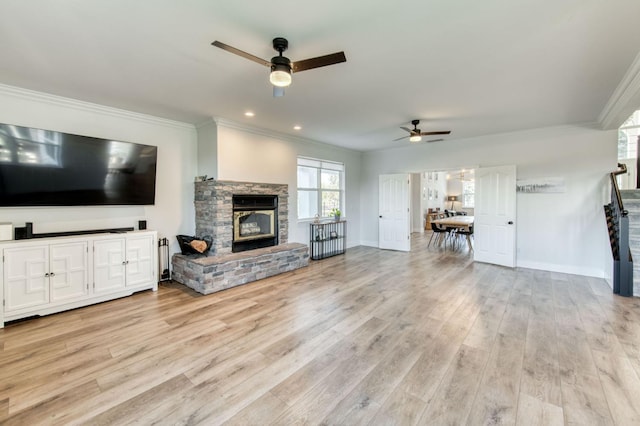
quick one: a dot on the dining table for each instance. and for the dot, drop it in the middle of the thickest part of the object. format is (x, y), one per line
(458, 222)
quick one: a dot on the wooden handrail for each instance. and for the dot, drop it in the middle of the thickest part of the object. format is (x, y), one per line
(622, 169)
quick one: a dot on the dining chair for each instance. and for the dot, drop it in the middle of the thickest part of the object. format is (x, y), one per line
(442, 233)
(468, 235)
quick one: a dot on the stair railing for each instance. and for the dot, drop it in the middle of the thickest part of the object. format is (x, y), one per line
(618, 226)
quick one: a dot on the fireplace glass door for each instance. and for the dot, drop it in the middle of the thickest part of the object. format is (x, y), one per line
(253, 225)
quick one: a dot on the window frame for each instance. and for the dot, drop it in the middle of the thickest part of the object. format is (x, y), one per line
(320, 166)
(631, 131)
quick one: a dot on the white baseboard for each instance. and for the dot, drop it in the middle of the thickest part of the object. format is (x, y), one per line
(565, 269)
(369, 243)
(609, 281)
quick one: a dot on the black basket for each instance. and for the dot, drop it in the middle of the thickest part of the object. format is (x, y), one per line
(185, 247)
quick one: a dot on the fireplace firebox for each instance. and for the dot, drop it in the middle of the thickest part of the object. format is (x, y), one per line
(255, 222)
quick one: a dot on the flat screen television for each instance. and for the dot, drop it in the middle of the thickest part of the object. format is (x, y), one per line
(46, 168)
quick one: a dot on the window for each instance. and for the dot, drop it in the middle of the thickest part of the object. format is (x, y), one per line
(468, 193)
(628, 137)
(320, 187)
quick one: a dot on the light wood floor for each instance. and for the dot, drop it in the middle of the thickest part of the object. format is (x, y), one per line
(370, 337)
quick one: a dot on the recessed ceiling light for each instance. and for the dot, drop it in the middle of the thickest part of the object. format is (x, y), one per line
(249, 114)
(297, 127)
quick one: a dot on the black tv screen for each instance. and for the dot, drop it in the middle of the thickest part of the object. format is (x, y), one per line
(46, 168)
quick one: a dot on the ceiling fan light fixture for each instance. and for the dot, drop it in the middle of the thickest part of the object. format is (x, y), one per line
(415, 138)
(280, 78)
(280, 75)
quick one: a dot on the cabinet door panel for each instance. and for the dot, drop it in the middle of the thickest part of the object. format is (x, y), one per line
(140, 260)
(69, 271)
(25, 283)
(109, 265)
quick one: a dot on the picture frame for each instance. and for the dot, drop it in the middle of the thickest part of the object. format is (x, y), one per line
(543, 185)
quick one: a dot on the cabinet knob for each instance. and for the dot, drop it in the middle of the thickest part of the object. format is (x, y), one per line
(124, 262)
(46, 275)
(52, 274)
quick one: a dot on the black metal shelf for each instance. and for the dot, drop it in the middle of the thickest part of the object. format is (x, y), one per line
(328, 239)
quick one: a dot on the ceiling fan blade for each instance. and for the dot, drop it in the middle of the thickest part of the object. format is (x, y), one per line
(399, 139)
(408, 130)
(239, 52)
(435, 140)
(320, 61)
(435, 133)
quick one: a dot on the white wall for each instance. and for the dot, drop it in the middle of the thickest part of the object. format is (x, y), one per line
(208, 149)
(254, 155)
(558, 232)
(438, 186)
(454, 187)
(173, 212)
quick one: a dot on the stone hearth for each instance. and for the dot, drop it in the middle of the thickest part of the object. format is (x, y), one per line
(208, 274)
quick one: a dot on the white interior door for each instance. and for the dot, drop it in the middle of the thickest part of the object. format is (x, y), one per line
(394, 220)
(495, 215)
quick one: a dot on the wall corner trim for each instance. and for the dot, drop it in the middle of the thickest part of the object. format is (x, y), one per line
(206, 123)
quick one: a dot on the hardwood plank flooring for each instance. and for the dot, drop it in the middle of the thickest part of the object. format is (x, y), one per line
(371, 337)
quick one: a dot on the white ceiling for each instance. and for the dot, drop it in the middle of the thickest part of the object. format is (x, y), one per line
(474, 67)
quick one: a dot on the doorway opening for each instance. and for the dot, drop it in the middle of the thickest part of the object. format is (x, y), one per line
(444, 191)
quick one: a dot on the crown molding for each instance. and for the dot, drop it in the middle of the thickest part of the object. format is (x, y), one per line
(625, 99)
(32, 95)
(276, 135)
(206, 123)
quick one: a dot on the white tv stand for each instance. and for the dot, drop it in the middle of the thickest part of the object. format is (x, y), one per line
(41, 276)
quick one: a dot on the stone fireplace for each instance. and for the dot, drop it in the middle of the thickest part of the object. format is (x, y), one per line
(248, 223)
(217, 201)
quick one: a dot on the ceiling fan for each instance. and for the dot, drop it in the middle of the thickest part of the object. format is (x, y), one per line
(415, 134)
(281, 66)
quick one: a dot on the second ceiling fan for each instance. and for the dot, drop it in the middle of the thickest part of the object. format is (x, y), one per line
(281, 66)
(415, 134)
